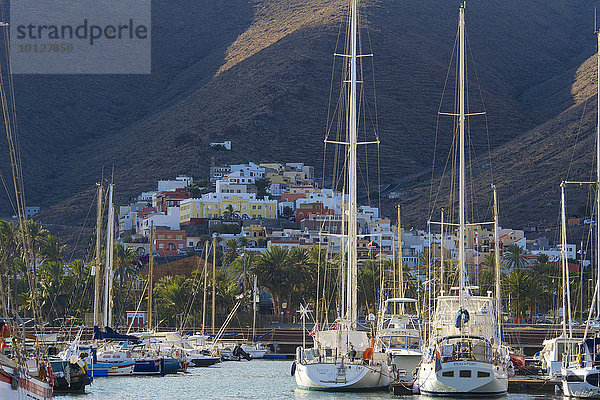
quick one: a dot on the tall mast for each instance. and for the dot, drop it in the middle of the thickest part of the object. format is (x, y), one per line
(205, 282)
(400, 272)
(108, 266)
(598, 183)
(150, 275)
(461, 121)
(442, 255)
(497, 264)
(565, 270)
(352, 291)
(214, 283)
(97, 270)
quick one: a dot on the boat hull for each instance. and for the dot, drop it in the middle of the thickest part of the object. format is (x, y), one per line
(112, 369)
(341, 377)
(404, 365)
(576, 383)
(149, 367)
(205, 361)
(69, 378)
(27, 388)
(484, 379)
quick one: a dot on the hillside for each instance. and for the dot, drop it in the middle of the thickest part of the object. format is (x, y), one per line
(258, 72)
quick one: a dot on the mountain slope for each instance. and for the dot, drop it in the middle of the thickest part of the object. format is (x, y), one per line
(258, 73)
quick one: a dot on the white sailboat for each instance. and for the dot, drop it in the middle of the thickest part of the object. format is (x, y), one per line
(399, 336)
(464, 356)
(399, 333)
(343, 358)
(581, 371)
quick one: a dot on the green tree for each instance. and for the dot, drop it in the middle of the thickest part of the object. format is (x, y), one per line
(517, 284)
(513, 256)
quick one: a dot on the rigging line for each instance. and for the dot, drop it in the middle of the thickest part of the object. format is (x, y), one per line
(485, 116)
(437, 125)
(576, 139)
(72, 256)
(8, 195)
(12, 105)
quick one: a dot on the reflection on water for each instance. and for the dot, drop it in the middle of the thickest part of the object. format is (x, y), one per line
(232, 380)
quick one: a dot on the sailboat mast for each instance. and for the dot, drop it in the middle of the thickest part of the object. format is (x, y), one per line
(566, 301)
(352, 291)
(497, 264)
(98, 267)
(205, 282)
(150, 275)
(461, 121)
(400, 272)
(108, 267)
(442, 254)
(598, 183)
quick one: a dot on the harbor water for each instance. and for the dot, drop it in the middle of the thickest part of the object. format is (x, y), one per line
(257, 379)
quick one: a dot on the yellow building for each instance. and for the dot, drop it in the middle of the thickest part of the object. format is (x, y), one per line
(305, 189)
(216, 205)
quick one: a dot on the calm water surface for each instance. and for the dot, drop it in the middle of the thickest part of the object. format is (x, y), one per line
(258, 379)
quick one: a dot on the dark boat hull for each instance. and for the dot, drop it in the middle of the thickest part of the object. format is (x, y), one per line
(69, 378)
(154, 366)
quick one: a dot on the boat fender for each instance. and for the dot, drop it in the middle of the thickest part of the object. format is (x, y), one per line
(368, 353)
(579, 359)
(14, 384)
(299, 352)
(293, 371)
(462, 317)
(50, 373)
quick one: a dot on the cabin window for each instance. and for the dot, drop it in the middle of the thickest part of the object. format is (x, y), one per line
(592, 379)
(449, 374)
(481, 374)
(465, 373)
(574, 378)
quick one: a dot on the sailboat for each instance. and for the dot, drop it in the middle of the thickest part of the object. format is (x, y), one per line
(343, 358)
(464, 356)
(580, 372)
(399, 330)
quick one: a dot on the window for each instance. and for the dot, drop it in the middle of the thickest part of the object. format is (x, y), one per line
(180, 246)
(161, 236)
(191, 244)
(254, 207)
(481, 374)
(160, 246)
(179, 237)
(170, 246)
(448, 374)
(170, 236)
(465, 373)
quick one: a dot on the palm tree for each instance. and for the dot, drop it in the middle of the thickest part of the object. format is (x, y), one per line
(513, 256)
(517, 284)
(125, 264)
(9, 255)
(229, 213)
(230, 252)
(172, 295)
(271, 269)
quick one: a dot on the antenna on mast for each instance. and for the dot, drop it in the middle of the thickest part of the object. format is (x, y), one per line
(595, 24)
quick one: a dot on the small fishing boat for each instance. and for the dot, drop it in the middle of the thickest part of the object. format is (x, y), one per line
(25, 382)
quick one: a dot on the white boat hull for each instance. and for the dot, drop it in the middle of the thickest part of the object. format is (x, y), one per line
(28, 388)
(576, 383)
(485, 379)
(338, 377)
(405, 365)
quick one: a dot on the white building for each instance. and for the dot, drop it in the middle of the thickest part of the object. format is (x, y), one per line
(226, 144)
(169, 220)
(179, 183)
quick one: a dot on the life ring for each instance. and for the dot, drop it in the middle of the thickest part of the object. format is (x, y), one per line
(368, 353)
(293, 371)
